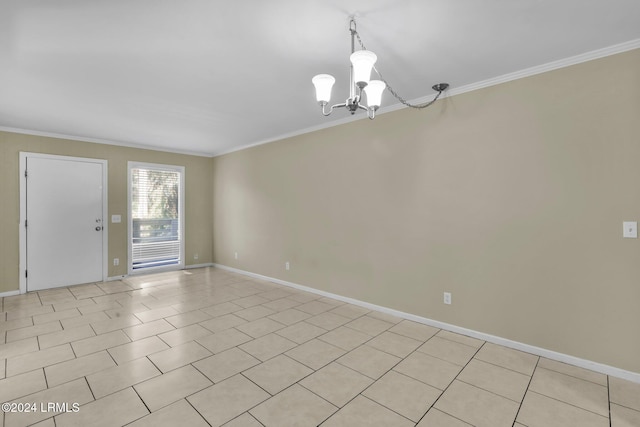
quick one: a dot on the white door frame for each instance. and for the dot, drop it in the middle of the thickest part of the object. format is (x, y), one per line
(181, 204)
(23, 212)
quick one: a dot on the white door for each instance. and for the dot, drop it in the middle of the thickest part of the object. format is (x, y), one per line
(64, 223)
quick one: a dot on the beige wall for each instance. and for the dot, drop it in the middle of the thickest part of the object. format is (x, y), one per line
(198, 197)
(511, 198)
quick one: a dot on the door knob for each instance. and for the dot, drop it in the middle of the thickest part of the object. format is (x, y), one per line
(98, 228)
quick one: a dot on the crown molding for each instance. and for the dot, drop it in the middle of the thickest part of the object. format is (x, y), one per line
(527, 72)
(102, 141)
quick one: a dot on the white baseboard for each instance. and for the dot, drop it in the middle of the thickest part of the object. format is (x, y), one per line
(208, 264)
(538, 351)
(10, 293)
(114, 278)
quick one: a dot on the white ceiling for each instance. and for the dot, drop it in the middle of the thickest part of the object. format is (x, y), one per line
(209, 76)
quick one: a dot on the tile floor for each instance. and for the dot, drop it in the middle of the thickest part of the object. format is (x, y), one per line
(209, 347)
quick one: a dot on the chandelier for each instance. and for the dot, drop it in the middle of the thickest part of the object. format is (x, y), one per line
(362, 63)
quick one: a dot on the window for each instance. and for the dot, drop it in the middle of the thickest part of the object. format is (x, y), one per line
(156, 216)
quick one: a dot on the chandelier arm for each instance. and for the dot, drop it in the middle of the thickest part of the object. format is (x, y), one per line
(439, 87)
(326, 113)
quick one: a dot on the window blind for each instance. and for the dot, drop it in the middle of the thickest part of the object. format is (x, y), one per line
(155, 217)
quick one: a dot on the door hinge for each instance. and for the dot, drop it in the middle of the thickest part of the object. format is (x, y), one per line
(26, 224)
(26, 174)
(26, 273)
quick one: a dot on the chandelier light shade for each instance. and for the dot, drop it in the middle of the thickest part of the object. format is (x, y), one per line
(362, 64)
(323, 84)
(362, 61)
(374, 93)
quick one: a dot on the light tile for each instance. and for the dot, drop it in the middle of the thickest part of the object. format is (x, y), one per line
(99, 342)
(574, 371)
(76, 368)
(395, 344)
(21, 385)
(220, 323)
(290, 316)
(224, 401)
(222, 309)
(65, 336)
(56, 315)
(315, 353)
(435, 418)
(625, 393)
(362, 411)
(277, 374)
(369, 361)
(336, 383)
(23, 322)
(98, 308)
(384, 316)
(224, 340)
(101, 413)
(244, 420)
(451, 351)
(351, 311)
(18, 313)
(250, 301)
(85, 319)
(501, 381)
(171, 387)
(254, 313)
(156, 314)
(188, 318)
(314, 307)
(541, 411)
(184, 335)
(301, 332)
(120, 377)
(175, 357)
(428, 369)
(179, 413)
(136, 349)
(508, 358)
(281, 304)
(404, 395)
(293, 407)
(624, 417)
(571, 390)
(414, 330)
(462, 339)
(345, 338)
(104, 326)
(226, 364)
(268, 346)
(148, 329)
(476, 406)
(328, 320)
(260, 327)
(33, 331)
(17, 348)
(73, 303)
(369, 325)
(39, 359)
(65, 394)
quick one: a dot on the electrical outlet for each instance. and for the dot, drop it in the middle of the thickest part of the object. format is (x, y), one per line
(195, 256)
(236, 255)
(286, 265)
(447, 297)
(116, 261)
(630, 229)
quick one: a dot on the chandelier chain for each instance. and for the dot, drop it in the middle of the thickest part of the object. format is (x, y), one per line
(393, 92)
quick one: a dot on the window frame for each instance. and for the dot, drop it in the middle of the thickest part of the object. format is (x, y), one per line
(181, 214)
